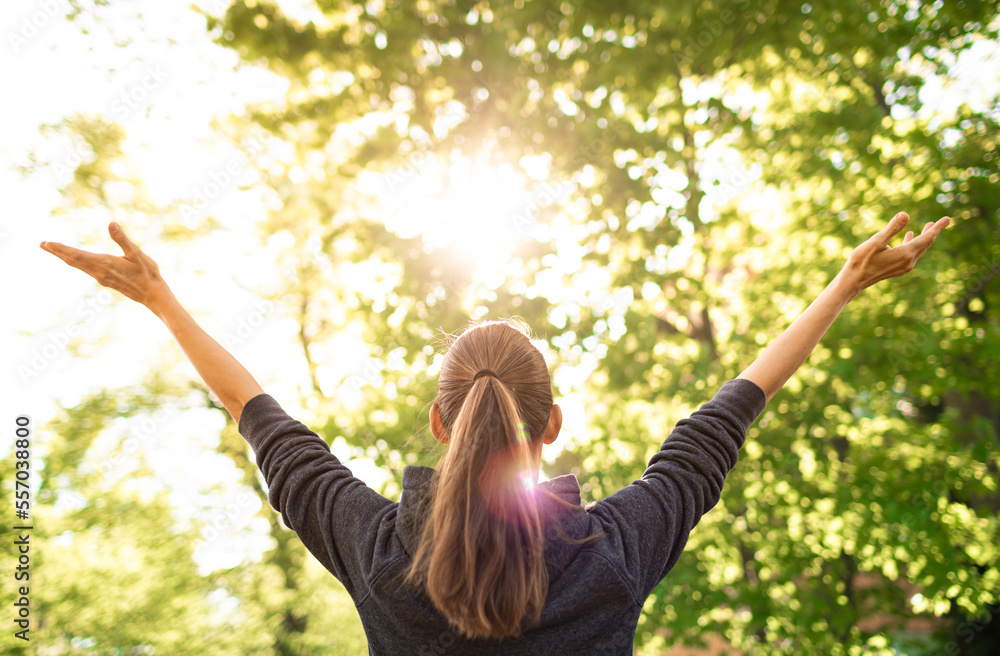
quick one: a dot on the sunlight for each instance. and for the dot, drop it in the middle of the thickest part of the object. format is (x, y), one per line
(471, 207)
(478, 215)
(527, 479)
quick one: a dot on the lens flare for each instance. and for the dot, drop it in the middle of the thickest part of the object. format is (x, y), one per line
(509, 488)
(527, 480)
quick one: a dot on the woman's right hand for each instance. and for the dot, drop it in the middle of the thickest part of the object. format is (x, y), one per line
(875, 260)
(135, 275)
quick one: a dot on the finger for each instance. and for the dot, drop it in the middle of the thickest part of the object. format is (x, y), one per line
(885, 235)
(116, 232)
(66, 253)
(929, 234)
(934, 228)
(908, 237)
(85, 261)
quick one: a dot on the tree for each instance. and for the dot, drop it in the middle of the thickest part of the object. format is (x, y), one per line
(682, 180)
(117, 569)
(878, 463)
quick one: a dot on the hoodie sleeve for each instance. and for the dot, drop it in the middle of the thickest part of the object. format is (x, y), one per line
(334, 514)
(652, 517)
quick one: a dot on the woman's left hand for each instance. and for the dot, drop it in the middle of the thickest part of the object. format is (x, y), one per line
(136, 275)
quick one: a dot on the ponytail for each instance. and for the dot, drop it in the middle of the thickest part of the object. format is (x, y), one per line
(481, 553)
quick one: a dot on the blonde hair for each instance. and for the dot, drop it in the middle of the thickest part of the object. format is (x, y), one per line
(480, 556)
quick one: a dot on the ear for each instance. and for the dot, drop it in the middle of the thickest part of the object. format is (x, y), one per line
(555, 423)
(436, 426)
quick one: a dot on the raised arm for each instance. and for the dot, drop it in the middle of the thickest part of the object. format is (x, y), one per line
(872, 261)
(138, 277)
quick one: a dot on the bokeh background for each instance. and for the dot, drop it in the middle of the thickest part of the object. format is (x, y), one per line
(657, 189)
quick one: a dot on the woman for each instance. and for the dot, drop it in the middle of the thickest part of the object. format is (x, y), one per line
(478, 557)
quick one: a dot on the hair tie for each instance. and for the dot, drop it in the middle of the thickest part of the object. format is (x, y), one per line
(484, 372)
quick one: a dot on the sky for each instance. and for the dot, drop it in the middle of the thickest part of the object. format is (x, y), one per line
(151, 67)
(146, 85)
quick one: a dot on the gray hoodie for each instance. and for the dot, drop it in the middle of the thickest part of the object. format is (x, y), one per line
(596, 590)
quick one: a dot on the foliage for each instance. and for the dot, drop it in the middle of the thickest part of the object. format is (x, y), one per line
(692, 174)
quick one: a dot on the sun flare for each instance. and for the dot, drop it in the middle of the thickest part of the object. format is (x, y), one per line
(469, 207)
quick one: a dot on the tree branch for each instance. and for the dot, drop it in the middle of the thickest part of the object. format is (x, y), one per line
(305, 341)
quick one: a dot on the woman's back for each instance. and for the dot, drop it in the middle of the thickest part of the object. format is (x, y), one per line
(575, 618)
(596, 589)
